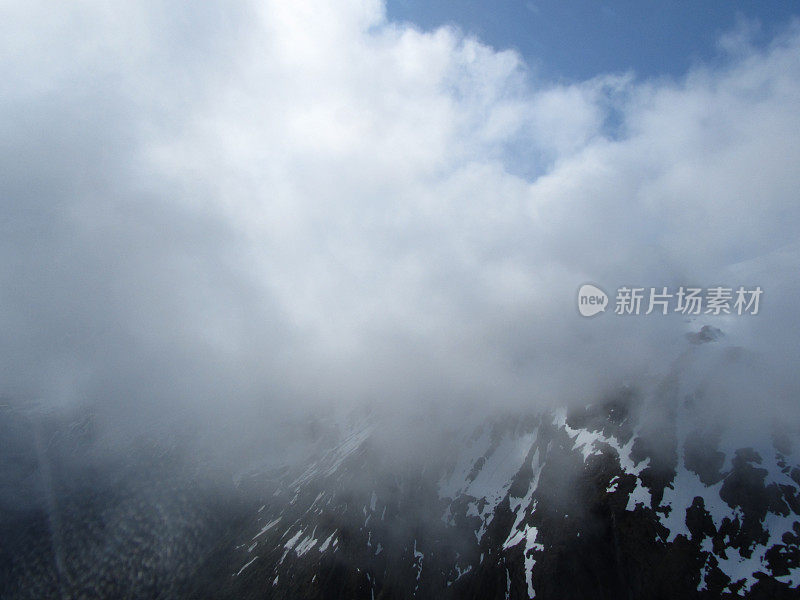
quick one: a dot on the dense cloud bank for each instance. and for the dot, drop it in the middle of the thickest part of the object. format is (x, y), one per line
(236, 209)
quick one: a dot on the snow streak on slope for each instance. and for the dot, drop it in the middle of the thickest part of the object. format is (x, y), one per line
(484, 472)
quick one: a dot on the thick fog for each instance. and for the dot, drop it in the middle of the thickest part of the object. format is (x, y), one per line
(215, 215)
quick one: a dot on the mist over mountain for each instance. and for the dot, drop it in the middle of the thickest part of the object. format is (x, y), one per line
(282, 284)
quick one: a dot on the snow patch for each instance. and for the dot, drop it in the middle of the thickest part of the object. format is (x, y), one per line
(246, 565)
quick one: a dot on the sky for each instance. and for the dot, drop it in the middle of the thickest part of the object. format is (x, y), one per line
(578, 39)
(226, 212)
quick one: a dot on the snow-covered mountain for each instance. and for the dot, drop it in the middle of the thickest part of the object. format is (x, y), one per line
(649, 492)
(634, 496)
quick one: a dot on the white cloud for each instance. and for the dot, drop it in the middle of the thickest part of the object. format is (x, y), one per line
(302, 200)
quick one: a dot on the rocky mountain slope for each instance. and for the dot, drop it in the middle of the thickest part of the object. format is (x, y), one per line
(637, 495)
(631, 497)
